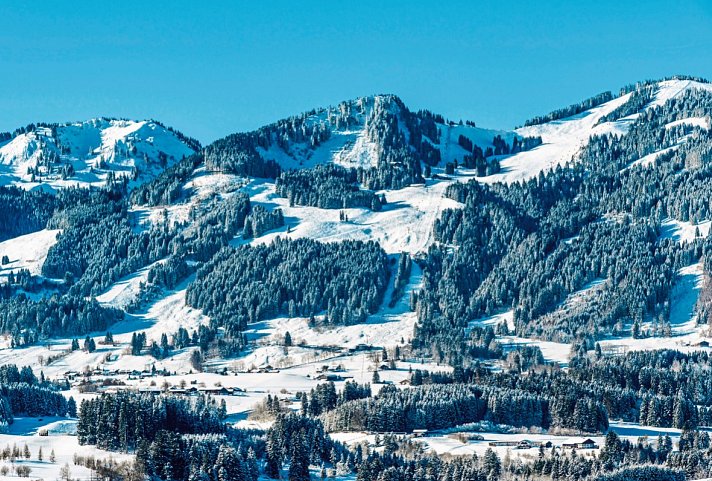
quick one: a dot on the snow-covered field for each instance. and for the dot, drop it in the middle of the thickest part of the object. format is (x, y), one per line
(60, 440)
(464, 442)
(450, 444)
(684, 231)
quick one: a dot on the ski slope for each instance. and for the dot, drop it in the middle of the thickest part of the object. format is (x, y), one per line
(404, 225)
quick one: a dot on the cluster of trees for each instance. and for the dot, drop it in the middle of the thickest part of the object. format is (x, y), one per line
(175, 457)
(127, 420)
(671, 388)
(261, 220)
(28, 321)
(295, 278)
(437, 406)
(571, 110)
(167, 188)
(327, 187)
(98, 244)
(214, 225)
(301, 441)
(325, 397)
(23, 211)
(402, 277)
(170, 273)
(23, 394)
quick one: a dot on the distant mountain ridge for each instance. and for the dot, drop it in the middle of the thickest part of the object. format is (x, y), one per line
(90, 153)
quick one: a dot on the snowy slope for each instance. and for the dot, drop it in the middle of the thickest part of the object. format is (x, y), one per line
(27, 252)
(404, 224)
(84, 153)
(671, 89)
(562, 140)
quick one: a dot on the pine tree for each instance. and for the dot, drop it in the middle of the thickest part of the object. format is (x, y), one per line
(71, 407)
(299, 465)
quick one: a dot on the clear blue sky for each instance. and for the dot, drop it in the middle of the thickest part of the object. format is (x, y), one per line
(212, 68)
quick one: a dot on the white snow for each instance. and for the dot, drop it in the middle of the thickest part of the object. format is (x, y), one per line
(27, 252)
(670, 89)
(404, 224)
(495, 320)
(554, 352)
(683, 231)
(450, 444)
(126, 291)
(25, 431)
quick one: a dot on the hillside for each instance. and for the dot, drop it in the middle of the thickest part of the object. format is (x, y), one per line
(553, 278)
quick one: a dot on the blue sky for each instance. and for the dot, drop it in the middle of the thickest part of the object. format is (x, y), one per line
(212, 68)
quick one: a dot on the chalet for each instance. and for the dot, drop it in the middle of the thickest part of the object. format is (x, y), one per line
(419, 433)
(361, 347)
(216, 391)
(585, 444)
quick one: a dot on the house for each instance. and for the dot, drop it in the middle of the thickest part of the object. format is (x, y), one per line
(419, 433)
(216, 391)
(585, 444)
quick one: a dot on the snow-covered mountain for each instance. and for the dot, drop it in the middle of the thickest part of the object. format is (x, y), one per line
(87, 153)
(351, 140)
(370, 134)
